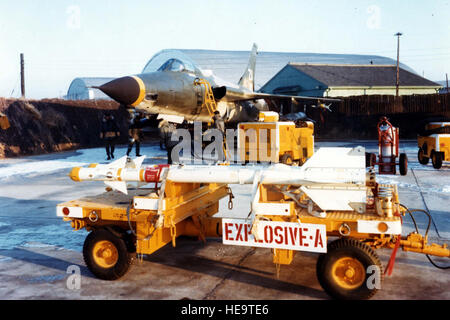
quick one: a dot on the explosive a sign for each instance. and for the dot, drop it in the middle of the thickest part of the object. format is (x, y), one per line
(275, 234)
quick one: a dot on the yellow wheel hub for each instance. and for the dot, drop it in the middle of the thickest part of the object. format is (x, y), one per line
(348, 273)
(105, 254)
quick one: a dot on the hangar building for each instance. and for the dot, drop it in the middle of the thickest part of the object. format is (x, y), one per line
(339, 80)
(230, 65)
(80, 89)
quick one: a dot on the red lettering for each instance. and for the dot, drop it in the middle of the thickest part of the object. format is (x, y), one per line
(318, 239)
(268, 239)
(286, 235)
(280, 236)
(302, 236)
(228, 231)
(248, 233)
(238, 233)
(293, 232)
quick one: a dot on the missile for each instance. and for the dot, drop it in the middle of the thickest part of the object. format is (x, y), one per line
(333, 177)
(115, 174)
(327, 165)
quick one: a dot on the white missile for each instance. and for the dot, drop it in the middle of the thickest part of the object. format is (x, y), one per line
(329, 173)
(115, 174)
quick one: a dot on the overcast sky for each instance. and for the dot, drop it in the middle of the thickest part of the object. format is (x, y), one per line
(62, 40)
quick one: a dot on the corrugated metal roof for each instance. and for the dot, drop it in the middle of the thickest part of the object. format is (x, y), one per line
(361, 75)
(230, 65)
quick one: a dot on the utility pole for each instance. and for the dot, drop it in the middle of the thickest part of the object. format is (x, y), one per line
(22, 75)
(446, 79)
(397, 82)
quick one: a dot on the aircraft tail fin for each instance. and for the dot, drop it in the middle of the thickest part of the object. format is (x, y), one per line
(248, 78)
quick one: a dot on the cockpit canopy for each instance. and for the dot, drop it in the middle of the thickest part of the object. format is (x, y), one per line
(173, 65)
(170, 60)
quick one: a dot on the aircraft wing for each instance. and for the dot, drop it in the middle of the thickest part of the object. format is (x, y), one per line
(235, 95)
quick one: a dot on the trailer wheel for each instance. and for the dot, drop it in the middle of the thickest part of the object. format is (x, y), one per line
(423, 159)
(436, 159)
(403, 164)
(106, 255)
(344, 271)
(371, 159)
(286, 159)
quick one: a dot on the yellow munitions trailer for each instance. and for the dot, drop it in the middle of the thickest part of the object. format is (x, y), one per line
(270, 140)
(286, 218)
(434, 144)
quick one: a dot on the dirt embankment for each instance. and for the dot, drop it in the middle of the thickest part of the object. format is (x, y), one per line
(42, 126)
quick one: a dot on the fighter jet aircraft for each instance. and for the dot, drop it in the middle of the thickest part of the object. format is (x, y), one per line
(171, 91)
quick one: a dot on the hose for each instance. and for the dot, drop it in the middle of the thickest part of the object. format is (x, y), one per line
(412, 217)
(148, 237)
(430, 219)
(426, 207)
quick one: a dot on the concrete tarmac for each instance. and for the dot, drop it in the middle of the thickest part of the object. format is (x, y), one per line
(38, 252)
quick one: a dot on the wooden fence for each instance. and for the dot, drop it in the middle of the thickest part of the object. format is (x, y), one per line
(429, 104)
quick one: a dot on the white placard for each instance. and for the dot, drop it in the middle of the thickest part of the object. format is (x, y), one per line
(274, 234)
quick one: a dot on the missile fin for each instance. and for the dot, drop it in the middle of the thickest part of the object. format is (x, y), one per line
(118, 185)
(138, 161)
(119, 163)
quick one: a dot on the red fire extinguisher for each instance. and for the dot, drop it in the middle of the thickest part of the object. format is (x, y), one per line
(388, 142)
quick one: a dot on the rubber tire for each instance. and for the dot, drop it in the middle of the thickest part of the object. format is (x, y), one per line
(403, 164)
(286, 159)
(422, 158)
(346, 247)
(436, 159)
(371, 159)
(124, 260)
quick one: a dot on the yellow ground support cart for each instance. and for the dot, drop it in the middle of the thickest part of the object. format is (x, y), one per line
(434, 143)
(275, 141)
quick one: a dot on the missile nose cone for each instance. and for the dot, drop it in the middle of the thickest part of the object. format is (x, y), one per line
(126, 90)
(75, 174)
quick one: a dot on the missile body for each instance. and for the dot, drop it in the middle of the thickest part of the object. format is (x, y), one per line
(328, 166)
(333, 178)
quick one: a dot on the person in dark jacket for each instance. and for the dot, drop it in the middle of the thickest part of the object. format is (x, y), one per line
(135, 134)
(219, 124)
(109, 133)
(166, 130)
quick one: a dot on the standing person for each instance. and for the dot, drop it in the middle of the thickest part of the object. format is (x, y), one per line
(109, 133)
(135, 134)
(162, 128)
(219, 124)
(167, 129)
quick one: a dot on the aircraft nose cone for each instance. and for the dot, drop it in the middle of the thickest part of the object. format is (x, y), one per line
(126, 90)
